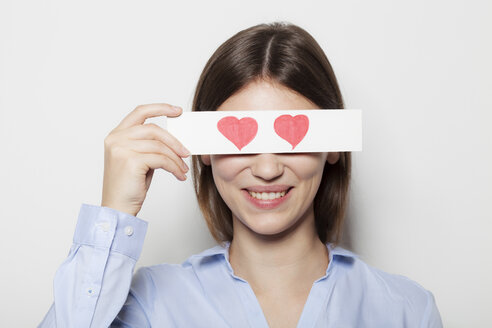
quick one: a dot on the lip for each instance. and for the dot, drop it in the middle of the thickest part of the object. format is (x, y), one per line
(272, 188)
(267, 203)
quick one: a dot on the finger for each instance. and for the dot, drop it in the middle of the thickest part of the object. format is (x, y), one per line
(148, 177)
(142, 112)
(156, 161)
(156, 147)
(152, 131)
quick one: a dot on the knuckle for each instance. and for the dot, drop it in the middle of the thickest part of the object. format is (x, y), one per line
(108, 141)
(152, 125)
(151, 128)
(111, 137)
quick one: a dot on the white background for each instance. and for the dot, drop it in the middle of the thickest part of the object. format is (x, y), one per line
(420, 70)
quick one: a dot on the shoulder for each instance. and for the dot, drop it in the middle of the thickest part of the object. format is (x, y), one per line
(175, 275)
(165, 290)
(381, 291)
(397, 286)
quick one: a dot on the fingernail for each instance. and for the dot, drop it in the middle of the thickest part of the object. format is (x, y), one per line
(176, 108)
(185, 167)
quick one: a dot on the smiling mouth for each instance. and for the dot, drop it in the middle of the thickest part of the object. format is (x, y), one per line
(266, 195)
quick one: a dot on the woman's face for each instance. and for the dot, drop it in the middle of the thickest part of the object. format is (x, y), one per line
(290, 181)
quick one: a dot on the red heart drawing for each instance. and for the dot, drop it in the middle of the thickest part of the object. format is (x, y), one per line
(292, 129)
(239, 132)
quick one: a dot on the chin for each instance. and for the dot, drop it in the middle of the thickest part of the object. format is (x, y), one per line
(270, 227)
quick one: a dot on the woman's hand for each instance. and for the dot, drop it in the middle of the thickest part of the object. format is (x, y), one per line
(132, 151)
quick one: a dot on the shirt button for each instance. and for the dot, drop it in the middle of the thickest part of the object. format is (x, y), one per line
(90, 291)
(129, 230)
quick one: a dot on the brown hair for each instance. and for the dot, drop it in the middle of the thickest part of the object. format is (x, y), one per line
(286, 54)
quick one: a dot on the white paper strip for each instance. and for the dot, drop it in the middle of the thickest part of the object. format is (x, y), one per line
(267, 131)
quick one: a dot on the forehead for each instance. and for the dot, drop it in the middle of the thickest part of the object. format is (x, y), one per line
(261, 95)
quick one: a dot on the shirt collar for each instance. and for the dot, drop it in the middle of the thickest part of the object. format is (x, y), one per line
(223, 252)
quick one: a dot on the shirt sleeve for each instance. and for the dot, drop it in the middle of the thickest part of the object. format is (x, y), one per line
(92, 284)
(432, 318)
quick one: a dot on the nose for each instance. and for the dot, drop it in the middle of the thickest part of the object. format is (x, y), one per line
(267, 166)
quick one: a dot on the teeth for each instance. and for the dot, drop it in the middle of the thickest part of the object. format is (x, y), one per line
(267, 196)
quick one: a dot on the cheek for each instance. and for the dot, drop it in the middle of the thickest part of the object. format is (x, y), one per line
(226, 167)
(309, 166)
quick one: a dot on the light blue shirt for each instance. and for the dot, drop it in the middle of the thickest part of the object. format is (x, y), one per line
(95, 287)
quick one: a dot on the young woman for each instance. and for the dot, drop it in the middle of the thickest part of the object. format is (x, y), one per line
(277, 217)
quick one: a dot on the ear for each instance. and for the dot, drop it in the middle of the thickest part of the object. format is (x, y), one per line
(205, 159)
(332, 158)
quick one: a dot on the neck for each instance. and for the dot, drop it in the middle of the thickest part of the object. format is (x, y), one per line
(294, 258)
